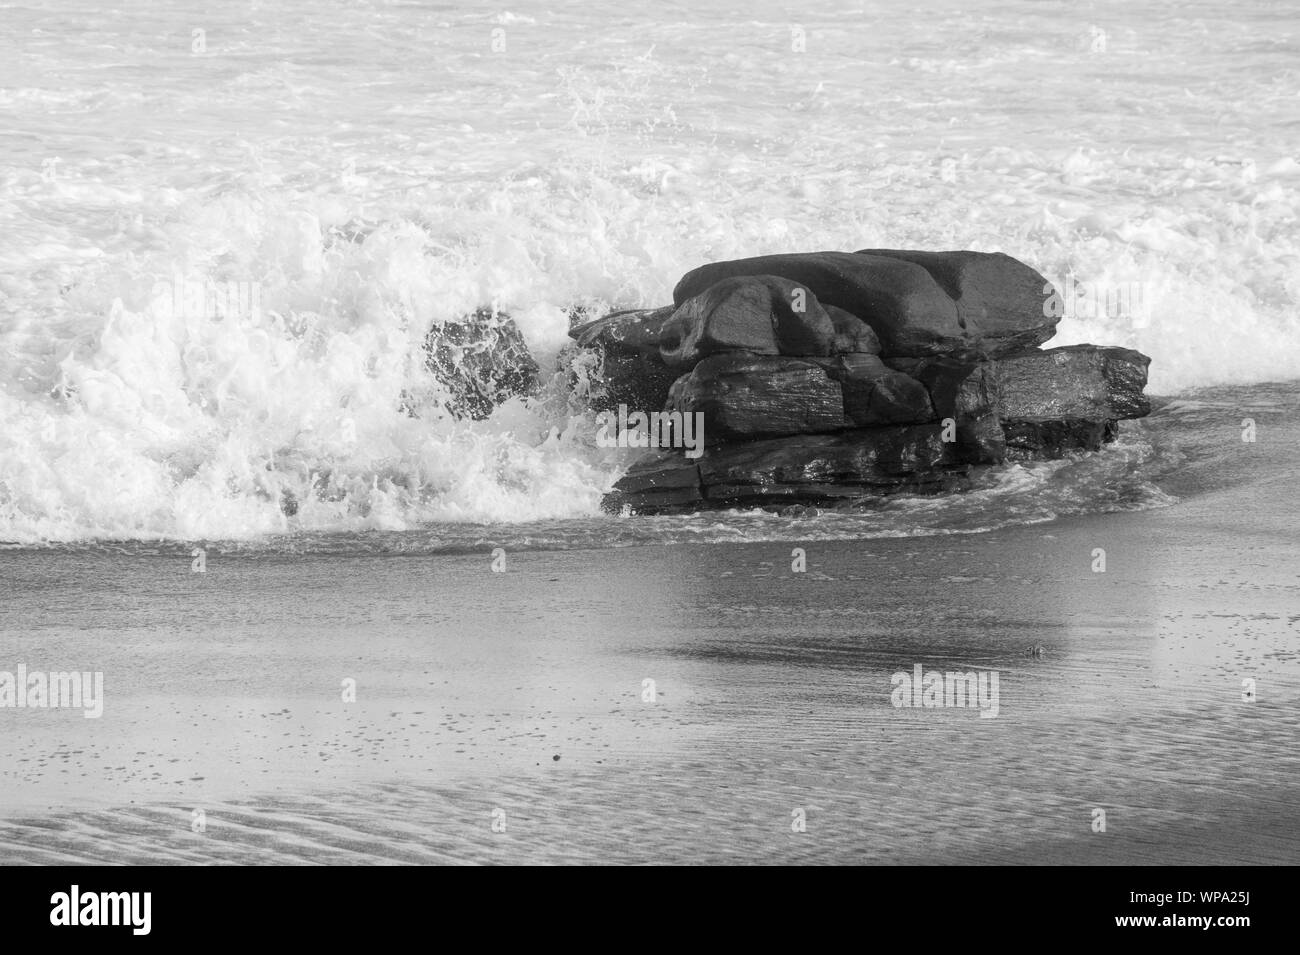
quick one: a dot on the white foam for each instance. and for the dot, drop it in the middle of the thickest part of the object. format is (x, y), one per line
(375, 174)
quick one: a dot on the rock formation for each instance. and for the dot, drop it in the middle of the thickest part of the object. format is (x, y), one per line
(836, 376)
(481, 361)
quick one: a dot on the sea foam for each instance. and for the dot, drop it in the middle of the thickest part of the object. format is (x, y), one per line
(376, 172)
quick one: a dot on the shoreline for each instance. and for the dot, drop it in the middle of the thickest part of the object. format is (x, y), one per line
(773, 687)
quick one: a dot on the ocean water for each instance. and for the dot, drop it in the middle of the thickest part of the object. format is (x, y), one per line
(367, 170)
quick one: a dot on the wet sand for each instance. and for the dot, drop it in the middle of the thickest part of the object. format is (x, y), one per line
(772, 694)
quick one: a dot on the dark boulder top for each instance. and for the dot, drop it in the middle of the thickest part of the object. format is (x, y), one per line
(919, 304)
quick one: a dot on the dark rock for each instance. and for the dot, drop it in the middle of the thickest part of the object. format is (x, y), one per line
(1068, 399)
(1042, 403)
(875, 394)
(628, 369)
(957, 388)
(999, 298)
(750, 396)
(852, 334)
(981, 440)
(639, 381)
(660, 481)
(837, 377)
(628, 330)
(802, 326)
(482, 361)
(960, 304)
(820, 468)
(1038, 440)
(761, 314)
(964, 393)
(891, 296)
(734, 315)
(1077, 382)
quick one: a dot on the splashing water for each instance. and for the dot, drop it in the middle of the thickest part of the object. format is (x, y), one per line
(220, 251)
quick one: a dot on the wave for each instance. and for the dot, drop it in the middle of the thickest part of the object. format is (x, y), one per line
(595, 184)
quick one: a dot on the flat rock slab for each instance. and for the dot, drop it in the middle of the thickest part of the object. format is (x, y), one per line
(868, 457)
(660, 481)
(807, 469)
(1048, 401)
(1074, 382)
(919, 304)
(752, 396)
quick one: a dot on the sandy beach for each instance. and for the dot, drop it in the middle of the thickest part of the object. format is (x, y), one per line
(518, 697)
